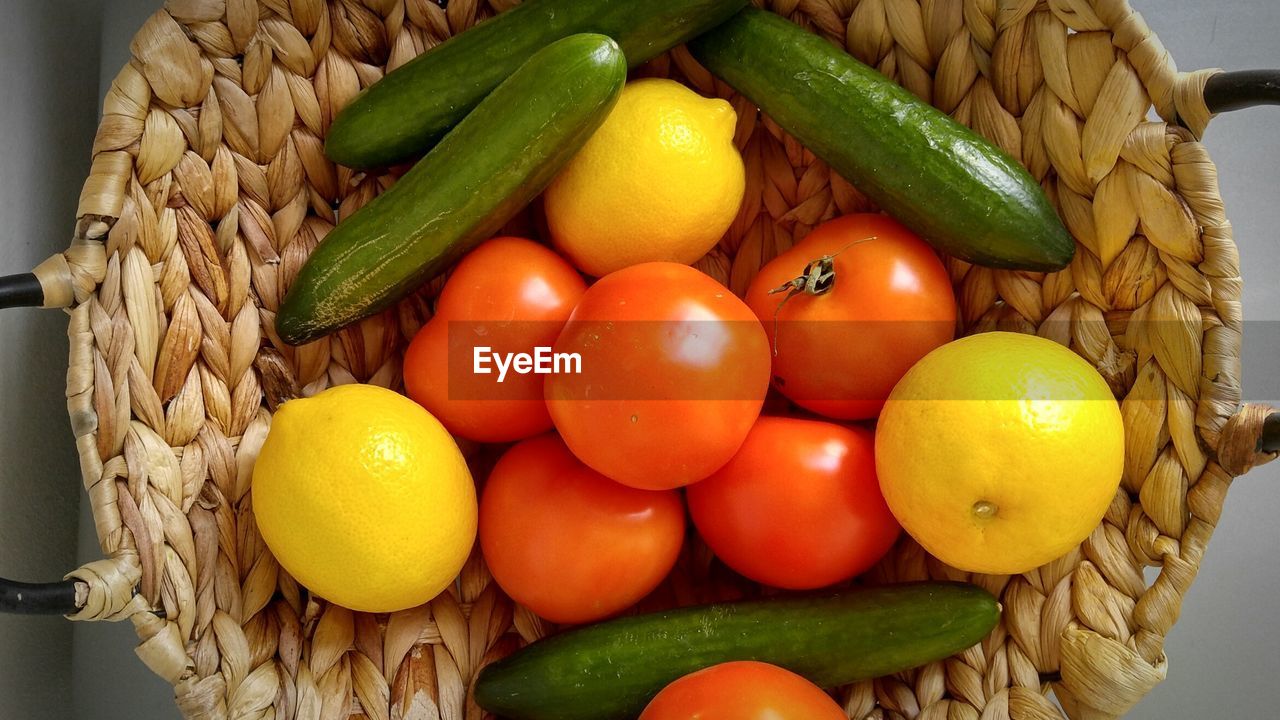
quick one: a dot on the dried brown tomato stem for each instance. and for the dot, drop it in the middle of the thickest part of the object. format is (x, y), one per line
(818, 278)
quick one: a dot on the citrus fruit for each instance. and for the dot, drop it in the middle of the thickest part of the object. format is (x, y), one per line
(1000, 452)
(659, 180)
(364, 498)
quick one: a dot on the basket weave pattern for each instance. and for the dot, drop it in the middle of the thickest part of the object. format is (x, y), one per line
(209, 188)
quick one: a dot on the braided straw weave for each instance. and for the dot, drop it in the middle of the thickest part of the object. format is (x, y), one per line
(209, 188)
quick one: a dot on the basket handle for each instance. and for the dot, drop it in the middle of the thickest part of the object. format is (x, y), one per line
(55, 598)
(1236, 90)
(1199, 96)
(1226, 91)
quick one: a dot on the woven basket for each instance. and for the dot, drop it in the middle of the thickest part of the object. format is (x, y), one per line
(209, 189)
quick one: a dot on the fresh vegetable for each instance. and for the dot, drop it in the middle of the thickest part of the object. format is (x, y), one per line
(942, 180)
(364, 498)
(660, 180)
(798, 507)
(411, 108)
(849, 309)
(742, 690)
(489, 167)
(1000, 452)
(507, 297)
(570, 544)
(674, 371)
(609, 671)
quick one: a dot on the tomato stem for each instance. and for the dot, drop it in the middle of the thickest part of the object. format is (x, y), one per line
(818, 278)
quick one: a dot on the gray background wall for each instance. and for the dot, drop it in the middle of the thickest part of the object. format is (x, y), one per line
(59, 57)
(50, 52)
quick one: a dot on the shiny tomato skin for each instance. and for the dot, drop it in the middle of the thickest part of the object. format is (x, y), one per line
(674, 371)
(839, 354)
(570, 544)
(743, 690)
(798, 507)
(509, 294)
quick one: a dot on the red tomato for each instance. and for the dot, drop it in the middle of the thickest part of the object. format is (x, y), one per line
(674, 371)
(889, 303)
(798, 507)
(742, 690)
(510, 295)
(568, 543)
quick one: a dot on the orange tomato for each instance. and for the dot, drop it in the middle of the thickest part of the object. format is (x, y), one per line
(742, 690)
(509, 295)
(886, 302)
(674, 371)
(570, 544)
(798, 507)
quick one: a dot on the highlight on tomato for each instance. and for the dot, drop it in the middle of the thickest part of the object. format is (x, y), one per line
(505, 299)
(674, 371)
(570, 544)
(798, 506)
(849, 309)
(743, 690)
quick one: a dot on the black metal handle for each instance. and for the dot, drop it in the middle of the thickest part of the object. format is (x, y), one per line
(20, 291)
(1241, 89)
(56, 598)
(1270, 440)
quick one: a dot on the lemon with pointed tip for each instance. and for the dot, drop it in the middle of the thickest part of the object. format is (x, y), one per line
(660, 180)
(1000, 452)
(364, 498)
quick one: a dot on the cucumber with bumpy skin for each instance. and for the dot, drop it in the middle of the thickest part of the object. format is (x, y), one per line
(611, 670)
(485, 170)
(415, 105)
(947, 183)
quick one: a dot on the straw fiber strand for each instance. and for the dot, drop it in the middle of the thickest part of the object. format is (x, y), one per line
(209, 188)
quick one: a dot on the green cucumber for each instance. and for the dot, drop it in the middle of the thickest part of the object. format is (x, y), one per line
(611, 670)
(411, 108)
(947, 183)
(485, 170)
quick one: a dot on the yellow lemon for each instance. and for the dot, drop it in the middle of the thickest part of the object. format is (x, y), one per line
(659, 180)
(1000, 452)
(364, 498)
